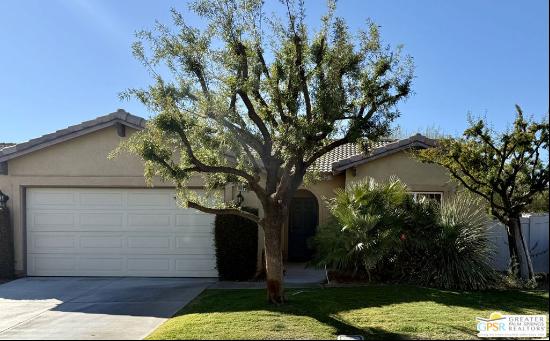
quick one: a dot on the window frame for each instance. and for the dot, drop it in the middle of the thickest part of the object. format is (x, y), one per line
(440, 193)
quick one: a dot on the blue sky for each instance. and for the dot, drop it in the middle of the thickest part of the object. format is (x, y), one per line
(65, 61)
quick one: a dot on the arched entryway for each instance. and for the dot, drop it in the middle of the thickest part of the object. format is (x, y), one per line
(302, 225)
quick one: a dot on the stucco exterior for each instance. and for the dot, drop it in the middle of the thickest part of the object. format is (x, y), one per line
(419, 177)
(81, 161)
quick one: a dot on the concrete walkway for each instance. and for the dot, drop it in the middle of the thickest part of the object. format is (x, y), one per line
(297, 275)
(300, 273)
(91, 308)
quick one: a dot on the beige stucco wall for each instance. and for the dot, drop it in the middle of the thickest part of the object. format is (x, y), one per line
(321, 189)
(418, 176)
(80, 162)
(324, 190)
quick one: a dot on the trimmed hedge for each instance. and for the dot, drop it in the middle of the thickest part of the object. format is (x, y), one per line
(236, 241)
(6, 245)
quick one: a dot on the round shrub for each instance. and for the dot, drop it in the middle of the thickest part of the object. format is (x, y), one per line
(236, 242)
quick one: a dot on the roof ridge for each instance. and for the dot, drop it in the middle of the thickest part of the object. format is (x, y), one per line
(417, 140)
(121, 116)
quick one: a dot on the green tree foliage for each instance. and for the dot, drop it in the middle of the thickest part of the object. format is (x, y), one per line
(505, 169)
(540, 203)
(256, 99)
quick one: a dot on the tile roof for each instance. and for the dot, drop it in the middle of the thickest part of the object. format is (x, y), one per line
(5, 144)
(339, 159)
(324, 163)
(119, 116)
(391, 147)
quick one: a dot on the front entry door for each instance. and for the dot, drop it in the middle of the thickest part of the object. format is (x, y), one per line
(301, 227)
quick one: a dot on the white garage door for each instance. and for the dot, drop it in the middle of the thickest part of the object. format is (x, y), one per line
(116, 232)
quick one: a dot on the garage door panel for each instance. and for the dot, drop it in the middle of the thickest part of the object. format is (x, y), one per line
(49, 241)
(122, 232)
(100, 220)
(73, 243)
(194, 219)
(194, 229)
(149, 264)
(57, 265)
(159, 266)
(52, 221)
(199, 263)
(149, 220)
(135, 243)
(100, 199)
(184, 268)
(49, 198)
(106, 265)
(150, 242)
(102, 242)
(194, 243)
(150, 199)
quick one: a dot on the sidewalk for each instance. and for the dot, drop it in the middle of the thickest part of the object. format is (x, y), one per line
(297, 276)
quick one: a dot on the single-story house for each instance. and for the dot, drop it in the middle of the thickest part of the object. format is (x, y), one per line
(77, 213)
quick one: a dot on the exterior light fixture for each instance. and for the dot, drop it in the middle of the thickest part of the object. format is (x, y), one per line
(239, 199)
(3, 199)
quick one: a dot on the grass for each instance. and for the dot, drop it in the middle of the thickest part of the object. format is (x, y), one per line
(377, 312)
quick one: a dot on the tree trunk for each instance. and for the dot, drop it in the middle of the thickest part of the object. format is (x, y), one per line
(513, 251)
(521, 250)
(273, 226)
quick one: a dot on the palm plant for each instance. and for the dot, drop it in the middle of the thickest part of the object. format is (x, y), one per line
(378, 228)
(366, 230)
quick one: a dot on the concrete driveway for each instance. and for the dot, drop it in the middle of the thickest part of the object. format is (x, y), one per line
(91, 308)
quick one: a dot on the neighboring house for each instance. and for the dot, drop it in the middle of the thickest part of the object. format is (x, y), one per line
(77, 213)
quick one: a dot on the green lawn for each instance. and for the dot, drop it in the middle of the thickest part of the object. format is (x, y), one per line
(373, 311)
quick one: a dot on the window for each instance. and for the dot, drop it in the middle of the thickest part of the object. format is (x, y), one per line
(437, 196)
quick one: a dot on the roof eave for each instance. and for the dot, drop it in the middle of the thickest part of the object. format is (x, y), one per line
(118, 117)
(416, 141)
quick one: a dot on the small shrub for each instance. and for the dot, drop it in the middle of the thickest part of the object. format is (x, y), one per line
(236, 241)
(509, 280)
(6, 245)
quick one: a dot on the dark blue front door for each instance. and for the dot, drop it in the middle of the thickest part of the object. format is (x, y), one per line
(301, 227)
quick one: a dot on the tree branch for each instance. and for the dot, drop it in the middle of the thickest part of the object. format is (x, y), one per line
(254, 116)
(471, 188)
(464, 170)
(234, 211)
(258, 97)
(302, 74)
(202, 167)
(327, 148)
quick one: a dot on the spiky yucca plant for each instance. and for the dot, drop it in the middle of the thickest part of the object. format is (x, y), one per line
(460, 253)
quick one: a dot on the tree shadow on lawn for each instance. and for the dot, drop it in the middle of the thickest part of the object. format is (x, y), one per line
(325, 305)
